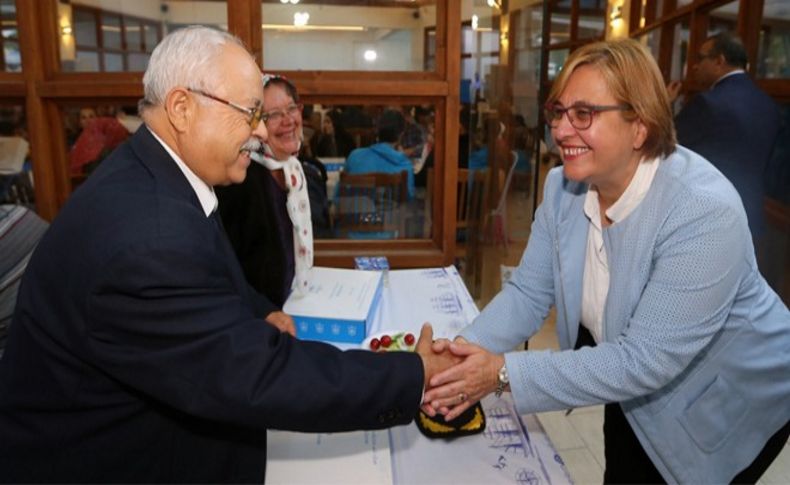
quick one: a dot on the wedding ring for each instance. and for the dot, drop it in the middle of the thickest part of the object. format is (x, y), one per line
(462, 397)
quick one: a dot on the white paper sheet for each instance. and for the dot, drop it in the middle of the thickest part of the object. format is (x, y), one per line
(328, 458)
(416, 296)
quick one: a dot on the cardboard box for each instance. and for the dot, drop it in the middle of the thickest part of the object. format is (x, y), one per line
(338, 305)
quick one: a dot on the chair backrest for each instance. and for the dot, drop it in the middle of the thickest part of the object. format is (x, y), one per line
(471, 197)
(20, 230)
(370, 205)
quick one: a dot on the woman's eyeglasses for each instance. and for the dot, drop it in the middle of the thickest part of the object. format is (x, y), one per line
(580, 115)
(256, 114)
(276, 116)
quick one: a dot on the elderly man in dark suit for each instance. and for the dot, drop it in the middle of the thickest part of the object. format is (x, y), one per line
(733, 124)
(138, 352)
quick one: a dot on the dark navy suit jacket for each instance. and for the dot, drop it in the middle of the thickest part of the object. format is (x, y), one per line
(734, 125)
(138, 352)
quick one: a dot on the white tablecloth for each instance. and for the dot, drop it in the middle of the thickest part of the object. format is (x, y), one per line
(512, 449)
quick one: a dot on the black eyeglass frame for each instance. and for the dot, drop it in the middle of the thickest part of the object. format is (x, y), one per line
(553, 113)
(256, 114)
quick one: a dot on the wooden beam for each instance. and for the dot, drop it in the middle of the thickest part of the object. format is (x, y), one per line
(38, 45)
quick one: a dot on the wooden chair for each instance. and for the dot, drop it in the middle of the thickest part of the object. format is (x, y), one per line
(370, 206)
(471, 197)
(498, 217)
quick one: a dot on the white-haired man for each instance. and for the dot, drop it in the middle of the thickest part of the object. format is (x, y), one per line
(138, 353)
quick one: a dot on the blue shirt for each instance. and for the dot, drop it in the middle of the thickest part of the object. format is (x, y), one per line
(382, 158)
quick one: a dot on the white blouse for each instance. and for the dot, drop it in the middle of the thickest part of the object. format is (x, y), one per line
(596, 266)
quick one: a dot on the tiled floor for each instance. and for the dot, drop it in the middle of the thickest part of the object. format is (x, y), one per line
(578, 437)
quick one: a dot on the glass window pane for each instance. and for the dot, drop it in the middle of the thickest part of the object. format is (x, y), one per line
(133, 32)
(376, 36)
(86, 61)
(469, 68)
(773, 56)
(143, 24)
(113, 62)
(152, 36)
(489, 41)
(653, 41)
(680, 45)
(84, 28)
(592, 22)
(16, 176)
(138, 62)
(723, 19)
(111, 31)
(341, 138)
(560, 22)
(11, 60)
(468, 40)
(557, 59)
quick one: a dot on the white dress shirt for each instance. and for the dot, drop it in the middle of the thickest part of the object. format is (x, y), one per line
(596, 265)
(204, 192)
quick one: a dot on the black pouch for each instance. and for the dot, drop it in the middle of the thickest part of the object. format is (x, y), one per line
(471, 421)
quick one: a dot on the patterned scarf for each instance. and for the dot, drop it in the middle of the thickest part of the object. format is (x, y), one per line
(298, 206)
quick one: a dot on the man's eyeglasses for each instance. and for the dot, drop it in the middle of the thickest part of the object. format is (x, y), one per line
(276, 116)
(580, 115)
(255, 114)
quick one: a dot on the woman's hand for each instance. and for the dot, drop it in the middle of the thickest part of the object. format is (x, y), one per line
(283, 322)
(453, 391)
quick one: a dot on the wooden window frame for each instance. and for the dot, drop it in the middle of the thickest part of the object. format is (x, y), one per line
(45, 89)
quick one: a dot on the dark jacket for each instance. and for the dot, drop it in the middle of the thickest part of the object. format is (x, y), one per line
(138, 352)
(734, 125)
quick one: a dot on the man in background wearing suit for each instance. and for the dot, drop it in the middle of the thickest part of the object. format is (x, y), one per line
(733, 124)
(138, 352)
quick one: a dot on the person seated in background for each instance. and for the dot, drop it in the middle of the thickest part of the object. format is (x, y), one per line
(20, 230)
(270, 218)
(98, 138)
(333, 141)
(643, 248)
(384, 156)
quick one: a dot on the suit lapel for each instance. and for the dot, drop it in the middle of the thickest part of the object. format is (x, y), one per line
(170, 180)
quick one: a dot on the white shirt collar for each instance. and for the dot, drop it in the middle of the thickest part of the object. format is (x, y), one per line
(204, 192)
(629, 200)
(731, 73)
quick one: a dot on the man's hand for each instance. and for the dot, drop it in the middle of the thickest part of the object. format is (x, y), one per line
(673, 89)
(283, 322)
(433, 362)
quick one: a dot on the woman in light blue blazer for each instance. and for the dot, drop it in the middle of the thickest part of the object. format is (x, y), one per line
(643, 247)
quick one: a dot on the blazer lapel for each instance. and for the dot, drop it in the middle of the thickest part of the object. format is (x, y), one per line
(571, 241)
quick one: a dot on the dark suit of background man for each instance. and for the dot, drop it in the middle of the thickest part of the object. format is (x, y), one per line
(137, 352)
(733, 124)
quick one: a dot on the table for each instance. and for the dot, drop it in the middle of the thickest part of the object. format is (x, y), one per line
(512, 449)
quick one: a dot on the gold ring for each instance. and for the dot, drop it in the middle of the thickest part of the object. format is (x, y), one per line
(462, 397)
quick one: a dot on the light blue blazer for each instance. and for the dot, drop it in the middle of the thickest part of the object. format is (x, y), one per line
(696, 346)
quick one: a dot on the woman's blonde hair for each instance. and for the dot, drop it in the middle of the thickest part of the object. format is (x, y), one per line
(633, 78)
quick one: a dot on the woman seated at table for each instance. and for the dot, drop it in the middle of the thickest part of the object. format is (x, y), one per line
(645, 250)
(270, 217)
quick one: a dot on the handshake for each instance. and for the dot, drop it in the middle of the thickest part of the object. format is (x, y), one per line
(457, 374)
